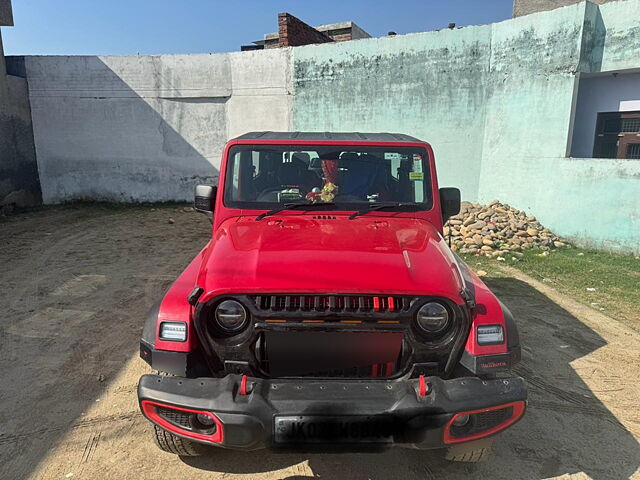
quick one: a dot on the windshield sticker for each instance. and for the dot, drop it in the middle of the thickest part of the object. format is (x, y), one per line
(416, 176)
(417, 158)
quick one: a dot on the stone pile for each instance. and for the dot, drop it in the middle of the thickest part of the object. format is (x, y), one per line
(497, 229)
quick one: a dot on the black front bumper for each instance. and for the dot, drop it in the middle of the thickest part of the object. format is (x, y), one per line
(248, 420)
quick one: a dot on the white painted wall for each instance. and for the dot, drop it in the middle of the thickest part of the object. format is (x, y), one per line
(148, 128)
(601, 93)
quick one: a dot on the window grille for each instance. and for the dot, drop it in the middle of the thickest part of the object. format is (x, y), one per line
(631, 125)
(633, 151)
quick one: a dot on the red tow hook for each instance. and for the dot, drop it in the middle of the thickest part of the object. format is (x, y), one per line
(423, 388)
(243, 385)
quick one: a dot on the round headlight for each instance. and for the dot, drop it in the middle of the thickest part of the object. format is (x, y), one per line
(231, 316)
(433, 318)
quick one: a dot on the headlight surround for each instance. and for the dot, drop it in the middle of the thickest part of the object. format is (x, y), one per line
(230, 316)
(433, 318)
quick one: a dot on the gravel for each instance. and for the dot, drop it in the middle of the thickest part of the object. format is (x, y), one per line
(497, 229)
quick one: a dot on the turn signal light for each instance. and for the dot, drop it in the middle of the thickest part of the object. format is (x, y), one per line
(490, 334)
(173, 331)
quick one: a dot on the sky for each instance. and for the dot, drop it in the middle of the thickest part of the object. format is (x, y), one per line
(150, 27)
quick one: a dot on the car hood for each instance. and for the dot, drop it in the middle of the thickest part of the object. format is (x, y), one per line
(328, 254)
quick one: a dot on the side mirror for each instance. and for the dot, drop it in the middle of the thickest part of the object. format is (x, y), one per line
(449, 202)
(205, 198)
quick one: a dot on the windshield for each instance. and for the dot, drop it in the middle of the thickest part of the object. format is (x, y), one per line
(270, 176)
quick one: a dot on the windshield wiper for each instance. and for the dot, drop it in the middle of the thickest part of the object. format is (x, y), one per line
(290, 206)
(381, 206)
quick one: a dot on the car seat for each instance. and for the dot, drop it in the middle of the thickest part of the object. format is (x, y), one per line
(357, 175)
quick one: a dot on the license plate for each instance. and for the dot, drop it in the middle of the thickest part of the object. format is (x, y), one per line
(326, 429)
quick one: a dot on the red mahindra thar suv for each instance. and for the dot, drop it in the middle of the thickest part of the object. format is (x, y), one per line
(328, 311)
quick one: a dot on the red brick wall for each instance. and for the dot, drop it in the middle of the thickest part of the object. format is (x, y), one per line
(294, 32)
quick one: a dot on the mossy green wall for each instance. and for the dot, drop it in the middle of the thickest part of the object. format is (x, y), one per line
(430, 85)
(593, 201)
(495, 102)
(621, 43)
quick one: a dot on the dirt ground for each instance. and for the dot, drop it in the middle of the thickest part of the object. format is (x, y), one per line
(78, 281)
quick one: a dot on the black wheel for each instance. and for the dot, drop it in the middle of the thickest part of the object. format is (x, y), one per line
(472, 452)
(171, 443)
(177, 445)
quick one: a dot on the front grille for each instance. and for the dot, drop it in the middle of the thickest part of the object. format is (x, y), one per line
(324, 313)
(331, 303)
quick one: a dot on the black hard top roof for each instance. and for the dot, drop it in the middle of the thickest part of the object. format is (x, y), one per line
(328, 136)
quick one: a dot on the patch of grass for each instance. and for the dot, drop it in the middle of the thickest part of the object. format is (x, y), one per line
(608, 282)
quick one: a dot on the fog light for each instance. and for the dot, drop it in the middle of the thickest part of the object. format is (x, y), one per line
(173, 331)
(490, 334)
(205, 419)
(461, 420)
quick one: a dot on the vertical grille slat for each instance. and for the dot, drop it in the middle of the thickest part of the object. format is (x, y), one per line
(332, 303)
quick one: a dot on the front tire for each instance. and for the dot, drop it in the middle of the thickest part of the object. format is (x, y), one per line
(171, 443)
(177, 445)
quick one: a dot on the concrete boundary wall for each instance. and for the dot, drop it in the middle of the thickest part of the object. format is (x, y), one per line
(593, 201)
(19, 184)
(430, 85)
(497, 102)
(148, 128)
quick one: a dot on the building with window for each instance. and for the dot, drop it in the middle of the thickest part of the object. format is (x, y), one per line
(293, 32)
(607, 115)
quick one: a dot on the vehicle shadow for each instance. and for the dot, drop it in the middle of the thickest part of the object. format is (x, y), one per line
(77, 285)
(566, 430)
